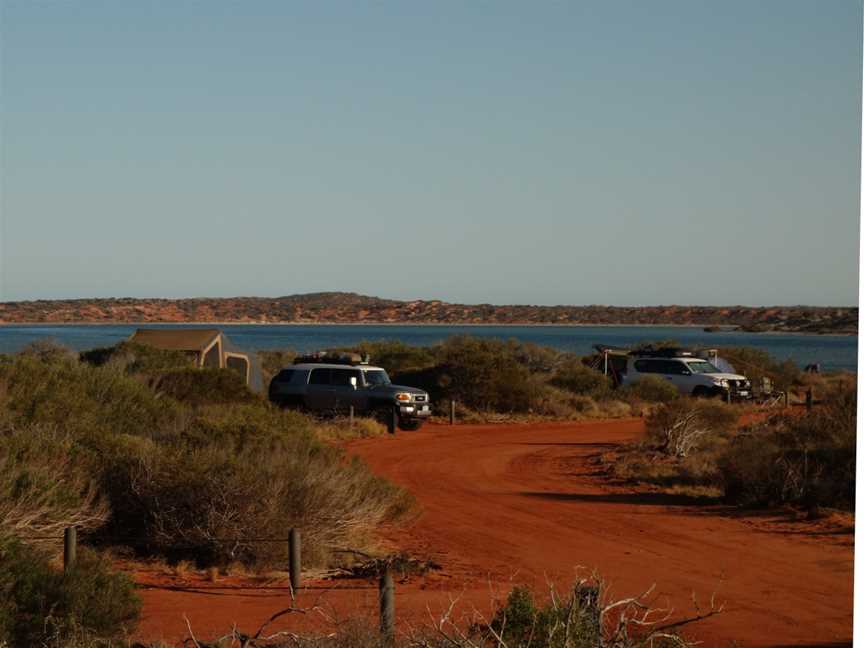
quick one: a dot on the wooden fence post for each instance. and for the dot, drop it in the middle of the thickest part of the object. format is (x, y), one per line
(351, 416)
(393, 421)
(70, 542)
(452, 412)
(809, 401)
(387, 596)
(294, 558)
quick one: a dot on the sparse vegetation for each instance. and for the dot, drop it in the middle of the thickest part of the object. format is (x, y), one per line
(188, 462)
(585, 616)
(694, 447)
(807, 460)
(493, 379)
(40, 605)
(758, 364)
(651, 389)
(352, 308)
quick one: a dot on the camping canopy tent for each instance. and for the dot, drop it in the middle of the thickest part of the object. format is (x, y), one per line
(208, 347)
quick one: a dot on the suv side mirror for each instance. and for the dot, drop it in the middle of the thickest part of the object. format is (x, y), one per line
(686, 372)
(354, 382)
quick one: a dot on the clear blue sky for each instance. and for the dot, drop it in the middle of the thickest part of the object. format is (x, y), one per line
(508, 152)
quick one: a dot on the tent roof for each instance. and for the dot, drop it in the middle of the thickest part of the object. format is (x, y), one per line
(176, 339)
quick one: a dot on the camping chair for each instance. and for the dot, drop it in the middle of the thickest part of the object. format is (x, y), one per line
(768, 396)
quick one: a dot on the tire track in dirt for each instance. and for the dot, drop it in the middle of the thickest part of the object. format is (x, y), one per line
(497, 498)
(505, 504)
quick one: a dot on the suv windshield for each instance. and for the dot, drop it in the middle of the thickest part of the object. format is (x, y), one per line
(701, 366)
(376, 377)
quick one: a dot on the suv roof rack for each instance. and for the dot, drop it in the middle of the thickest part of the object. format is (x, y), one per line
(664, 352)
(328, 357)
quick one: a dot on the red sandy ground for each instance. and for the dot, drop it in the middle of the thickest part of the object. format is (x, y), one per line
(506, 504)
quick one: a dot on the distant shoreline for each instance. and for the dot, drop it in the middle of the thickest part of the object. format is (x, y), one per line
(736, 329)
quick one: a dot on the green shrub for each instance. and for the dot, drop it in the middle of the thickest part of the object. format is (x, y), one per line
(652, 389)
(572, 622)
(198, 387)
(176, 477)
(183, 500)
(807, 460)
(484, 374)
(757, 364)
(584, 381)
(137, 358)
(46, 484)
(83, 400)
(39, 602)
(679, 427)
(273, 361)
(396, 356)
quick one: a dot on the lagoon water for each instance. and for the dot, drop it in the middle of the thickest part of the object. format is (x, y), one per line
(831, 351)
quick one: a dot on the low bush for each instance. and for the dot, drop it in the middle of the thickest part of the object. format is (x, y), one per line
(340, 429)
(484, 374)
(46, 484)
(757, 364)
(82, 400)
(807, 460)
(39, 603)
(679, 427)
(198, 387)
(135, 358)
(273, 361)
(651, 389)
(396, 356)
(572, 622)
(202, 501)
(183, 459)
(575, 377)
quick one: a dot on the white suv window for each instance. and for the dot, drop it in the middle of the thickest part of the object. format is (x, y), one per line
(702, 366)
(667, 367)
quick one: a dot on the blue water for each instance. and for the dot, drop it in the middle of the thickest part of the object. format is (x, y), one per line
(831, 351)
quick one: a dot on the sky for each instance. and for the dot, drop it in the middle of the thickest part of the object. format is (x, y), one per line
(624, 153)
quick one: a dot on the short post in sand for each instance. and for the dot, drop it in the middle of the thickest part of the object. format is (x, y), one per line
(70, 542)
(387, 600)
(294, 558)
(452, 412)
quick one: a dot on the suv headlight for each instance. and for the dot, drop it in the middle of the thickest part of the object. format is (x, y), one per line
(722, 382)
(403, 397)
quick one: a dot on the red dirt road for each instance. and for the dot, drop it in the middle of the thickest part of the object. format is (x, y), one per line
(523, 503)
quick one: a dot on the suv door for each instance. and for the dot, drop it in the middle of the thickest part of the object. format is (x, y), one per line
(344, 392)
(320, 395)
(677, 372)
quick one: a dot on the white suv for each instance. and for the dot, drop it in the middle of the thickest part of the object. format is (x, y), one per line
(690, 374)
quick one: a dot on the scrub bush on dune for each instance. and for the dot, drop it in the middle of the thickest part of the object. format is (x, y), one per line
(135, 358)
(41, 605)
(575, 377)
(202, 501)
(679, 427)
(758, 364)
(179, 478)
(46, 484)
(807, 460)
(82, 400)
(204, 386)
(651, 389)
(396, 356)
(484, 375)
